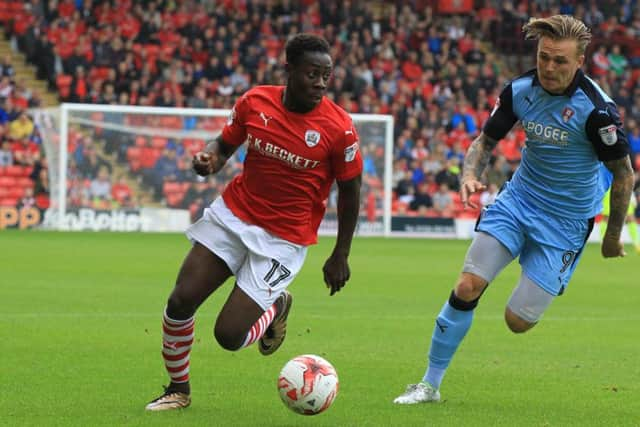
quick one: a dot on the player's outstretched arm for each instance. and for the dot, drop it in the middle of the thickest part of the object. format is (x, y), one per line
(475, 162)
(213, 157)
(336, 268)
(621, 189)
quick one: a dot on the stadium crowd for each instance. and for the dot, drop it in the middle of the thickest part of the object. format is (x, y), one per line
(437, 73)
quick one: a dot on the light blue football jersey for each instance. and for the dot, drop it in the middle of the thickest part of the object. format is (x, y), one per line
(567, 138)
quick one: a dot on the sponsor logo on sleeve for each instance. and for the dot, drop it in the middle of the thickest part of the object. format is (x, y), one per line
(312, 138)
(350, 152)
(608, 134)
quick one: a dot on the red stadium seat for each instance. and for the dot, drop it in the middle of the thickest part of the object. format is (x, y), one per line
(171, 187)
(174, 199)
(159, 142)
(8, 201)
(8, 181)
(14, 170)
(25, 182)
(16, 192)
(5, 13)
(134, 153)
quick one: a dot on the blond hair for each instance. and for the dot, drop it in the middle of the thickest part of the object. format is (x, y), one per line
(559, 27)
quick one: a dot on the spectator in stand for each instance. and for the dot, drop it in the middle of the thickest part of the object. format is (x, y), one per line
(422, 200)
(199, 196)
(617, 61)
(25, 152)
(91, 163)
(489, 195)
(633, 135)
(600, 62)
(443, 201)
(100, 188)
(79, 89)
(121, 192)
(166, 169)
(6, 155)
(27, 200)
(7, 67)
(498, 171)
(21, 128)
(6, 87)
(405, 184)
(450, 174)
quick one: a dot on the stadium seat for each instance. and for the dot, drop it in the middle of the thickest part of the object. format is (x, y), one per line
(134, 153)
(140, 141)
(16, 192)
(174, 199)
(5, 13)
(171, 187)
(7, 181)
(25, 182)
(159, 142)
(8, 201)
(15, 170)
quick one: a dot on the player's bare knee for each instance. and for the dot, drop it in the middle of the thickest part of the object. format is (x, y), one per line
(516, 324)
(470, 287)
(178, 307)
(227, 338)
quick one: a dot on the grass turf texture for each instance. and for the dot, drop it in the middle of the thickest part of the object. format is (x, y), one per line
(80, 326)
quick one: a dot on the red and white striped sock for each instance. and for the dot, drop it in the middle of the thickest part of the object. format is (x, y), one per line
(177, 338)
(257, 330)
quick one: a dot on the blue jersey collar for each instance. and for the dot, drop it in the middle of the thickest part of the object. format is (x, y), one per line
(569, 91)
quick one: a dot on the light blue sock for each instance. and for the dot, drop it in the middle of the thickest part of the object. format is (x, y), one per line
(451, 327)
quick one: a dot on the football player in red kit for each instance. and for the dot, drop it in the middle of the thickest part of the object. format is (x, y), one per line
(298, 143)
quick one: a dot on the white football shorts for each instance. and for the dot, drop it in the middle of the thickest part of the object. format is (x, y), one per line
(264, 265)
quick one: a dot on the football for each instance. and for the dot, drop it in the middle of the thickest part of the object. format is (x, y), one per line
(308, 384)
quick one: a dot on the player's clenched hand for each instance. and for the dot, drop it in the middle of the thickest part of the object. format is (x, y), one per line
(336, 272)
(205, 163)
(612, 247)
(467, 188)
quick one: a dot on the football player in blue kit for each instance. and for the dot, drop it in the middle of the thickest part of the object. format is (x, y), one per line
(544, 214)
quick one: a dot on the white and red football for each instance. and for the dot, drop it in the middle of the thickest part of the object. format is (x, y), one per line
(308, 384)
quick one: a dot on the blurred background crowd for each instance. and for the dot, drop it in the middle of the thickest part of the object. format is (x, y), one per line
(436, 66)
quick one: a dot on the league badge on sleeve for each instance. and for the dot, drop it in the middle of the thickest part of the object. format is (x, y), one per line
(350, 152)
(312, 138)
(567, 113)
(608, 134)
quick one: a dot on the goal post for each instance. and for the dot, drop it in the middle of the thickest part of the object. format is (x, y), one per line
(92, 147)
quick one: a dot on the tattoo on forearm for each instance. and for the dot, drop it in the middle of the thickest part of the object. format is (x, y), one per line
(478, 156)
(621, 190)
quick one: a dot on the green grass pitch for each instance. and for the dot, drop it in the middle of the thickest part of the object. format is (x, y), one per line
(80, 326)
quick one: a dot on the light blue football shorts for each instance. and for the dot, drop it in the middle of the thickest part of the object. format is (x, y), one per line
(549, 246)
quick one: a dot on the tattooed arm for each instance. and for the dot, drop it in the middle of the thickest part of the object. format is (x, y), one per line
(475, 162)
(621, 190)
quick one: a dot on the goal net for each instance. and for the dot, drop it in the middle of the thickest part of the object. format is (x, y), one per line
(128, 168)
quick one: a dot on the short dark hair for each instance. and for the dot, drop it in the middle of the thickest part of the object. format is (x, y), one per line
(304, 42)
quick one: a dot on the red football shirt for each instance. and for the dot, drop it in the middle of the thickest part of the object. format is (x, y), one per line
(292, 160)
